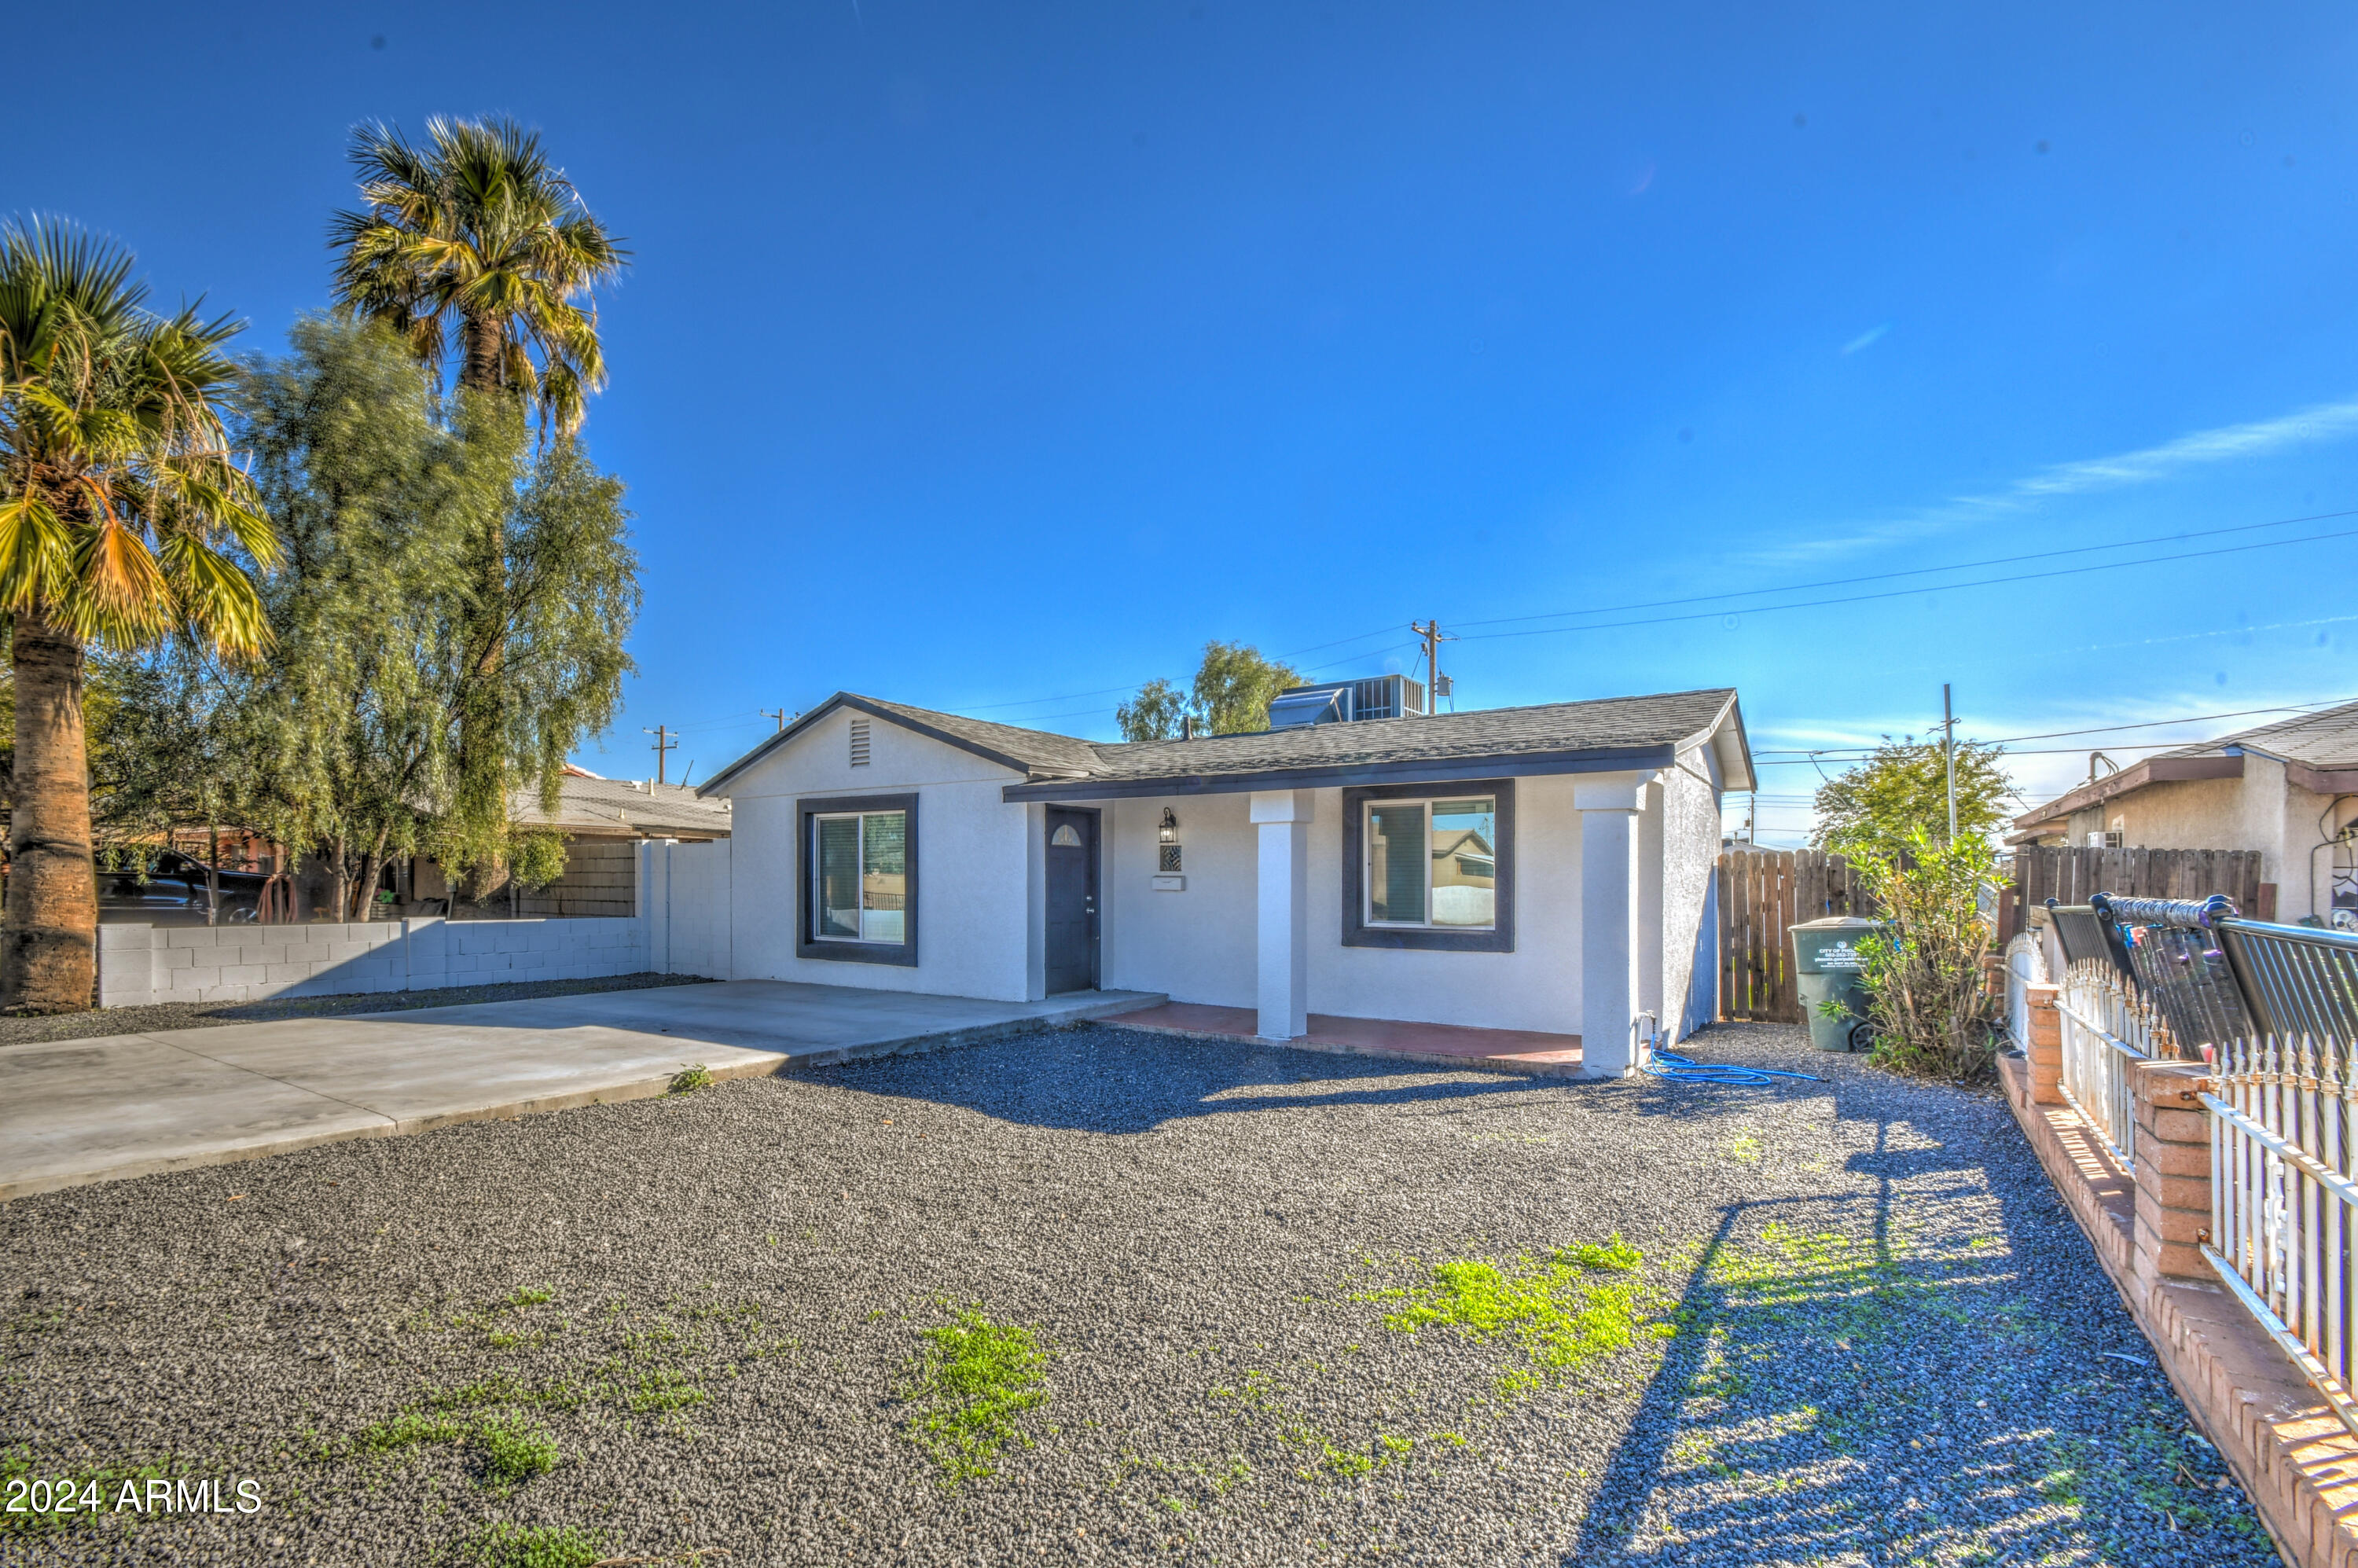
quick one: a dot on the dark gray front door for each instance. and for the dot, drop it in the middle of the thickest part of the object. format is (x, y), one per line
(1072, 900)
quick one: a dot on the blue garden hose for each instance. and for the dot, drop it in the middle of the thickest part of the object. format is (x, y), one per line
(1687, 1070)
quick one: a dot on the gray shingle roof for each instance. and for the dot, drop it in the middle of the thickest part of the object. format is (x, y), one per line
(621, 808)
(2328, 738)
(1553, 730)
(1610, 723)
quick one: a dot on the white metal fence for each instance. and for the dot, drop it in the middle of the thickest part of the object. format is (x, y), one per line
(2025, 965)
(2280, 1199)
(2103, 1032)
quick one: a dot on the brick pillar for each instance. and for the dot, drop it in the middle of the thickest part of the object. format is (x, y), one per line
(2173, 1170)
(2045, 1047)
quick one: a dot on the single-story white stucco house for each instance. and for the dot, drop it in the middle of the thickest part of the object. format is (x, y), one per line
(1540, 868)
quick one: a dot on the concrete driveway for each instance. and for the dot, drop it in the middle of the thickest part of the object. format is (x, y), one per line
(79, 1111)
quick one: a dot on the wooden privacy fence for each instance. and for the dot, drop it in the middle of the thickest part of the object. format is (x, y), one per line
(1761, 893)
(1764, 892)
(2069, 876)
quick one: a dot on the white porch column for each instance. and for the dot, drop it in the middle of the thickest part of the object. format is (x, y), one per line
(1609, 946)
(1282, 819)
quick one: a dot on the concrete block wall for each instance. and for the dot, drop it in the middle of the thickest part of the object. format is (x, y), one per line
(680, 926)
(143, 964)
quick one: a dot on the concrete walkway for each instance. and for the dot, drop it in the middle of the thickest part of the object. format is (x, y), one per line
(1439, 1044)
(78, 1111)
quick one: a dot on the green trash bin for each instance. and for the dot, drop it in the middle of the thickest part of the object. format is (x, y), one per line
(1826, 968)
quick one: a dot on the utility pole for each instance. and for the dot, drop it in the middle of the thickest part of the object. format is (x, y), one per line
(779, 714)
(667, 741)
(1949, 745)
(1434, 636)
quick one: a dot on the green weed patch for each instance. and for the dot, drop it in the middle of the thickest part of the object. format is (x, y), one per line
(1576, 1306)
(532, 1546)
(971, 1381)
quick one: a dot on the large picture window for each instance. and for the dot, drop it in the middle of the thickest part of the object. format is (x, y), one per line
(863, 876)
(1433, 863)
(1429, 866)
(859, 879)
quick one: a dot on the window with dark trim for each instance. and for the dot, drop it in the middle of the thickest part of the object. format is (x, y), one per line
(1429, 866)
(856, 868)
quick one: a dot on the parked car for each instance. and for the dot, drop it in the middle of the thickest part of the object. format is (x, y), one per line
(167, 888)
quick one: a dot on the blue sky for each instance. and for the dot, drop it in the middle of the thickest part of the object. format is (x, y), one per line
(990, 357)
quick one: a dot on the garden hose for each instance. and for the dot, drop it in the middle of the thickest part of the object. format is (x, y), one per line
(1686, 1070)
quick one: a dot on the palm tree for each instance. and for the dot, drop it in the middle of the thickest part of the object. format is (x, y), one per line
(478, 225)
(122, 514)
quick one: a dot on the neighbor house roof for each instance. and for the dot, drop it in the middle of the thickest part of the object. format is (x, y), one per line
(592, 808)
(1597, 736)
(2319, 750)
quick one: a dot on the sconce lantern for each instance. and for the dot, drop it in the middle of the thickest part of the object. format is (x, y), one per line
(1169, 831)
(1167, 862)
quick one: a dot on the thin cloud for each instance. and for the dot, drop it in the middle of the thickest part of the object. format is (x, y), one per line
(2231, 443)
(1867, 339)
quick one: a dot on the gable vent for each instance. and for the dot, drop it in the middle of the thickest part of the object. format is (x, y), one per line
(859, 742)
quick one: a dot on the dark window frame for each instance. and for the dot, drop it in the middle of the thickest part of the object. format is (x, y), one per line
(808, 943)
(1357, 933)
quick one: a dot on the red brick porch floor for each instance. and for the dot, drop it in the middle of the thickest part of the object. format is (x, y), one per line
(1446, 1044)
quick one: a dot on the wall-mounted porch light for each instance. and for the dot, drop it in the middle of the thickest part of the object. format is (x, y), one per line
(1168, 834)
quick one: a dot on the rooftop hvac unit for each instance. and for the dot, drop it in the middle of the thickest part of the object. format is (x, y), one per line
(1347, 702)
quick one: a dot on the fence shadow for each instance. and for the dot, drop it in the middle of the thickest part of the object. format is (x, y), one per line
(1825, 1335)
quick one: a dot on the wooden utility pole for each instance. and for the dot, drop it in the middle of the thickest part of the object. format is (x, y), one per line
(1949, 748)
(779, 714)
(1437, 684)
(667, 741)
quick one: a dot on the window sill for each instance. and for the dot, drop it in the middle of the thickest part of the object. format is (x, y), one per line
(902, 953)
(1426, 938)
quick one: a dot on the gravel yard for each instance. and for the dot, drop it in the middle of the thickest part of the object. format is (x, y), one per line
(156, 1017)
(1094, 1295)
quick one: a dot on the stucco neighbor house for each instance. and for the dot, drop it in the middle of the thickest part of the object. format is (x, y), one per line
(2289, 790)
(1542, 869)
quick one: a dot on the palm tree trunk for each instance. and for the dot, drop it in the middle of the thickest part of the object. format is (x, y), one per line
(485, 368)
(48, 936)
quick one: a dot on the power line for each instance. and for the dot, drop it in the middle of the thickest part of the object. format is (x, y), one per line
(1935, 587)
(1799, 588)
(1923, 571)
(2101, 729)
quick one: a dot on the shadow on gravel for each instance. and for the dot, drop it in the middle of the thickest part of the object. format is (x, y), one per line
(1111, 1080)
(1872, 1376)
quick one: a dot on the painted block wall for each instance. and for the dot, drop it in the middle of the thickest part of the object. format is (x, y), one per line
(143, 964)
(974, 881)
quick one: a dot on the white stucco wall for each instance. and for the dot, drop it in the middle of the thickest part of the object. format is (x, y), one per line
(1690, 793)
(1196, 945)
(975, 935)
(1537, 986)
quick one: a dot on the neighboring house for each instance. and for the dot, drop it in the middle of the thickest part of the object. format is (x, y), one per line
(602, 821)
(1544, 868)
(2289, 790)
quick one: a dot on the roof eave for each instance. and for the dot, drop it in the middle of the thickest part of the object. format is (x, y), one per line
(2152, 771)
(1421, 769)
